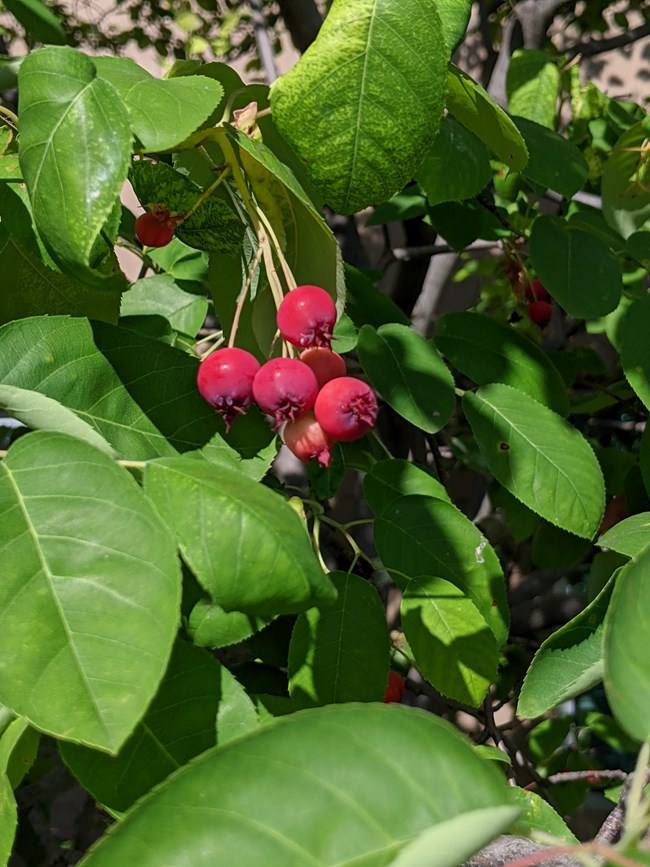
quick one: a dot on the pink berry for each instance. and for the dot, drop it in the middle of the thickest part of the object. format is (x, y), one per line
(325, 363)
(540, 312)
(395, 688)
(154, 229)
(346, 408)
(307, 440)
(306, 317)
(225, 380)
(285, 388)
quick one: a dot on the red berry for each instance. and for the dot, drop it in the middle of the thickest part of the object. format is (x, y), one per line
(325, 363)
(535, 291)
(307, 439)
(154, 229)
(540, 312)
(285, 388)
(225, 380)
(346, 408)
(306, 316)
(395, 688)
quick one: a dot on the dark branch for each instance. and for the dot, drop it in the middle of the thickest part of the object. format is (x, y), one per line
(600, 46)
(303, 21)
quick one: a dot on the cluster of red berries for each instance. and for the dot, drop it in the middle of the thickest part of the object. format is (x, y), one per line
(540, 310)
(311, 395)
(156, 227)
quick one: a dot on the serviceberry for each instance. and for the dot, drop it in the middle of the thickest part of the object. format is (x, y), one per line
(540, 312)
(346, 408)
(306, 317)
(325, 363)
(395, 688)
(285, 388)
(307, 439)
(154, 228)
(225, 380)
(535, 291)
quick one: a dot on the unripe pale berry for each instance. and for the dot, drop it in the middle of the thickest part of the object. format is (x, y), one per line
(154, 229)
(540, 312)
(535, 291)
(285, 388)
(346, 408)
(395, 688)
(307, 439)
(225, 380)
(325, 363)
(306, 317)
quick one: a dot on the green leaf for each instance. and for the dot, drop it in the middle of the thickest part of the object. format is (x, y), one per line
(245, 544)
(40, 412)
(457, 166)
(38, 20)
(394, 478)
(470, 104)
(578, 269)
(553, 548)
(539, 457)
(569, 662)
(163, 113)
(93, 643)
(365, 304)
(452, 842)
(452, 644)
(335, 764)
(210, 626)
(554, 161)
(626, 197)
(628, 537)
(33, 283)
(360, 108)
(340, 652)
(161, 295)
(214, 226)
(454, 15)
(532, 86)
(418, 535)
(537, 816)
(18, 747)
(638, 246)
(409, 374)
(179, 724)
(8, 819)
(627, 664)
(635, 350)
(486, 351)
(123, 385)
(62, 103)
(311, 249)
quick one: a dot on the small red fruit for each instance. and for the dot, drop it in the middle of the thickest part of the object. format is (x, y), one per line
(540, 312)
(395, 688)
(535, 291)
(307, 440)
(225, 380)
(285, 388)
(346, 408)
(326, 364)
(154, 229)
(306, 316)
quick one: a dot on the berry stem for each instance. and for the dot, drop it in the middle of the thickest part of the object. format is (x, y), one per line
(204, 195)
(243, 295)
(290, 280)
